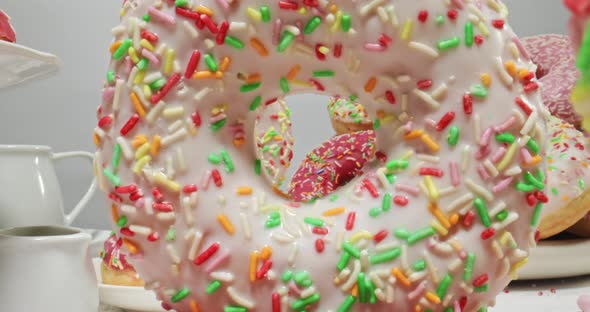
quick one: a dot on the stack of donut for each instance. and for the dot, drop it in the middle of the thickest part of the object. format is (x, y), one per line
(189, 154)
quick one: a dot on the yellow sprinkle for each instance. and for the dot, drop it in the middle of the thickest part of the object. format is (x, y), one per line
(407, 29)
(508, 157)
(486, 80)
(324, 50)
(433, 298)
(114, 213)
(333, 212)
(431, 187)
(146, 45)
(303, 83)
(254, 14)
(360, 235)
(224, 64)
(226, 224)
(141, 163)
(204, 10)
(139, 77)
(336, 25)
(163, 180)
(293, 72)
(456, 245)
(439, 215)
(511, 68)
(518, 265)
(370, 85)
(507, 240)
(433, 146)
(258, 46)
(142, 151)
(483, 29)
(266, 253)
(253, 265)
(96, 139)
(137, 104)
(399, 275)
(303, 11)
(131, 246)
(155, 148)
(244, 190)
(439, 228)
(407, 155)
(414, 134)
(194, 306)
(535, 161)
(355, 290)
(133, 55)
(169, 61)
(147, 92)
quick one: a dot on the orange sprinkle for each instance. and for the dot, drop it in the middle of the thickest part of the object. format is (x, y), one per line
(293, 72)
(194, 306)
(439, 215)
(155, 147)
(333, 212)
(115, 46)
(511, 68)
(137, 104)
(218, 74)
(253, 265)
(258, 46)
(417, 308)
(333, 9)
(523, 73)
(226, 224)
(244, 190)
(266, 253)
(114, 213)
(238, 142)
(454, 219)
(204, 10)
(253, 78)
(203, 75)
(433, 146)
(355, 290)
(401, 277)
(486, 80)
(280, 193)
(414, 134)
(138, 141)
(131, 246)
(432, 297)
(224, 64)
(370, 85)
(96, 139)
(536, 160)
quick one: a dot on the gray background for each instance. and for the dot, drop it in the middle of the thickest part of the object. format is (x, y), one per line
(60, 110)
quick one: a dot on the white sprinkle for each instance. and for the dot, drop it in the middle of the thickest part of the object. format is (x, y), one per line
(282, 237)
(292, 254)
(352, 279)
(118, 30)
(239, 299)
(505, 268)
(380, 295)
(283, 291)
(343, 274)
(175, 126)
(443, 248)
(479, 190)
(514, 50)
(491, 168)
(173, 254)
(455, 264)
(441, 92)
(364, 260)
(180, 161)
(194, 198)
(512, 171)
(339, 240)
(382, 13)
(237, 26)
(246, 226)
(176, 136)
(417, 276)
(292, 29)
(192, 253)
(190, 30)
(173, 112)
(504, 75)
(170, 172)
(376, 280)
(139, 229)
(226, 277)
(497, 250)
(131, 78)
(135, 28)
(431, 268)
(460, 202)
(390, 294)
(166, 216)
(155, 112)
(117, 96)
(426, 98)
(369, 7)
(148, 205)
(404, 259)
(390, 80)
(404, 104)
(202, 93)
(443, 192)
(428, 158)
(149, 78)
(393, 16)
(186, 207)
(512, 216)
(421, 47)
(476, 128)
(501, 205)
(308, 292)
(465, 158)
(530, 123)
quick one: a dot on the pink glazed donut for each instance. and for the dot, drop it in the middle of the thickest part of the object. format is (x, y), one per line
(190, 165)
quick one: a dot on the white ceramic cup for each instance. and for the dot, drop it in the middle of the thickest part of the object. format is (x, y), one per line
(29, 188)
(46, 268)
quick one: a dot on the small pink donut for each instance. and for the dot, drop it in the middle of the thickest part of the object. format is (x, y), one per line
(555, 58)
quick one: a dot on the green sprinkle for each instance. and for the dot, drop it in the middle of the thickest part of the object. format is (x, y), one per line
(505, 137)
(287, 276)
(343, 262)
(453, 137)
(530, 178)
(143, 64)
(469, 263)
(146, 18)
(333, 198)
(257, 166)
(439, 20)
(483, 309)
(275, 215)
(158, 84)
(181, 3)
(213, 287)
(301, 277)
(583, 60)
(116, 157)
(347, 304)
(385, 256)
(540, 175)
(482, 288)
(386, 203)
(444, 45)
(420, 235)
(390, 177)
(312, 25)
(122, 221)
(181, 294)
(372, 296)
(234, 309)
(302, 303)
(581, 184)
(234, 42)
(218, 125)
(265, 13)
(115, 180)
(468, 34)
(502, 215)
(345, 22)
(272, 223)
(110, 77)
(284, 84)
(441, 291)
(401, 233)
(374, 212)
(171, 234)
(537, 214)
(286, 40)
(352, 250)
(479, 91)
(533, 146)
(554, 191)
(449, 309)
(419, 265)
(397, 164)
(525, 188)
(482, 211)
(250, 87)
(211, 63)
(214, 159)
(314, 221)
(361, 282)
(229, 163)
(122, 49)
(324, 73)
(254, 105)
(376, 124)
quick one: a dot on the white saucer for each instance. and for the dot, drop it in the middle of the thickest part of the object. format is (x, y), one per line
(557, 259)
(19, 64)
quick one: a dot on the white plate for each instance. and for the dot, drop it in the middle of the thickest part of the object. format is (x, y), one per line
(559, 258)
(126, 297)
(19, 64)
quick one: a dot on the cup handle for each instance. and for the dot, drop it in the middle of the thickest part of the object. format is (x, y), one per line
(69, 218)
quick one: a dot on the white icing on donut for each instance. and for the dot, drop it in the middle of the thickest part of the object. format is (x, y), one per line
(167, 145)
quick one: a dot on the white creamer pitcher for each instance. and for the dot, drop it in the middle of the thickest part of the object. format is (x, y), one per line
(29, 188)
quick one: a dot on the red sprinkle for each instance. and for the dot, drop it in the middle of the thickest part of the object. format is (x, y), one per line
(114, 197)
(487, 233)
(130, 124)
(338, 50)
(531, 200)
(524, 106)
(158, 196)
(264, 269)
(216, 178)
(149, 36)
(381, 235)
(153, 237)
(468, 218)
(541, 197)
(385, 40)
(170, 83)
(193, 62)
(467, 104)
(531, 86)
(445, 121)
(423, 16)
(462, 303)
(528, 77)
(127, 232)
(390, 97)
(135, 195)
(196, 118)
(190, 188)
(537, 236)
(209, 23)
(276, 298)
(321, 56)
(163, 207)
(478, 39)
(350, 221)
(288, 5)
(369, 186)
(424, 84)
(208, 253)
(480, 280)
(427, 171)
(317, 84)
(105, 122)
(400, 200)
(319, 245)
(452, 14)
(498, 23)
(222, 33)
(188, 13)
(319, 230)
(126, 189)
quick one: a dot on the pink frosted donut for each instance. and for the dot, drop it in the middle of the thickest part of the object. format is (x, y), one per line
(189, 159)
(332, 165)
(6, 31)
(555, 58)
